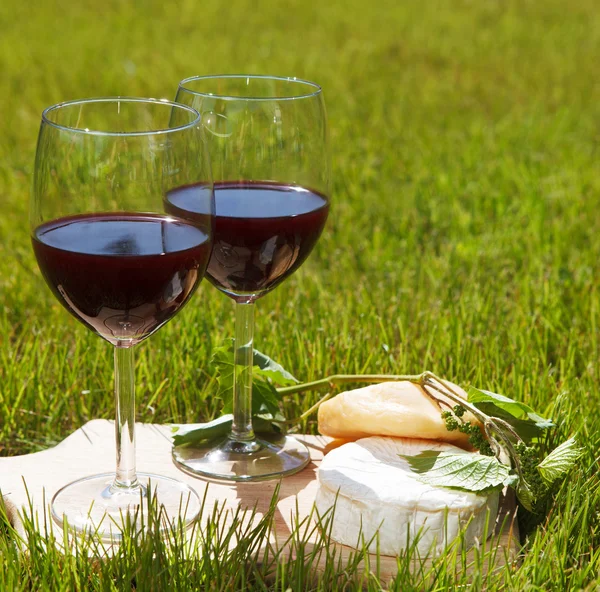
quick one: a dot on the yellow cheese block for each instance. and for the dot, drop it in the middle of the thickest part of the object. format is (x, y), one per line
(397, 409)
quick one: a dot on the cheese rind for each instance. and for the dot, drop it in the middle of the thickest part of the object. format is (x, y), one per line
(374, 491)
(398, 409)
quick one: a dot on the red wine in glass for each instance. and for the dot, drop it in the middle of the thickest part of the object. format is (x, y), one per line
(122, 274)
(123, 268)
(263, 232)
(268, 144)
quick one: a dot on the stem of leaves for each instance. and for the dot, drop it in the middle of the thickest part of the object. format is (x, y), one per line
(500, 433)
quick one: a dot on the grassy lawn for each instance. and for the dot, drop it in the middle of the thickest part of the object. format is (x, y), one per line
(464, 236)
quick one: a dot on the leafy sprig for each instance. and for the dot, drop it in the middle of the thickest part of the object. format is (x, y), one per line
(512, 431)
(507, 436)
(266, 414)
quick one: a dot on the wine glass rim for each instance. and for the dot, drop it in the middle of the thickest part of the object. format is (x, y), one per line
(118, 99)
(292, 79)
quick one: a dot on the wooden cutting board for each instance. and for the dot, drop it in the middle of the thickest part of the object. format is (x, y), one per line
(91, 449)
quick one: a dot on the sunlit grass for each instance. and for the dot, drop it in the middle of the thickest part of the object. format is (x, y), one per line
(464, 236)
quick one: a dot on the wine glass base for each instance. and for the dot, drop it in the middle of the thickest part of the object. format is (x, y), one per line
(259, 460)
(92, 506)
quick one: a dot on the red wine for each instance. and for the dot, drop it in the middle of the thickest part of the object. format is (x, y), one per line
(123, 275)
(263, 232)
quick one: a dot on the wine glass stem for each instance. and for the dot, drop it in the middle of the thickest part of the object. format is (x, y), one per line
(126, 477)
(241, 430)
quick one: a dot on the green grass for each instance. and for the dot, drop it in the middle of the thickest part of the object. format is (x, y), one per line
(464, 236)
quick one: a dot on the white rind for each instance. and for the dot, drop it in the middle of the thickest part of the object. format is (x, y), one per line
(374, 490)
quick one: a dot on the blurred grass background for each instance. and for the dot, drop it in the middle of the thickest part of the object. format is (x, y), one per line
(464, 234)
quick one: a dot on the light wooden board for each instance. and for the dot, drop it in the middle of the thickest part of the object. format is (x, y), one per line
(91, 449)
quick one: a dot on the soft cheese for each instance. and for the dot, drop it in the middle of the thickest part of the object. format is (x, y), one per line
(399, 409)
(374, 490)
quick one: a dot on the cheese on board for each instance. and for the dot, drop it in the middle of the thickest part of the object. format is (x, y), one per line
(374, 490)
(398, 409)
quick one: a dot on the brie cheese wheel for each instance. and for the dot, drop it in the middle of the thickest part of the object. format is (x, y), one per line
(376, 494)
(398, 409)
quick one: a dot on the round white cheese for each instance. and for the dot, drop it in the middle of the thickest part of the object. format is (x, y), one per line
(377, 495)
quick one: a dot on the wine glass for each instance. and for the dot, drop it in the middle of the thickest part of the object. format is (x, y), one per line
(267, 139)
(121, 266)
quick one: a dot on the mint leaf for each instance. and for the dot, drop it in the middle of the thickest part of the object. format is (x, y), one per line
(465, 471)
(560, 461)
(523, 419)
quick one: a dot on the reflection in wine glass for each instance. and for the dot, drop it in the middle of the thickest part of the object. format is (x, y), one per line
(217, 124)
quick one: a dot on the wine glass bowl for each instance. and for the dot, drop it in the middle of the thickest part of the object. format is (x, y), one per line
(119, 264)
(257, 248)
(267, 139)
(123, 275)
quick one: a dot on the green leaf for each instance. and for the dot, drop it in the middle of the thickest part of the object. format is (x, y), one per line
(265, 372)
(219, 428)
(526, 422)
(525, 494)
(265, 398)
(263, 424)
(526, 428)
(266, 367)
(466, 471)
(198, 432)
(222, 360)
(560, 461)
(514, 408)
